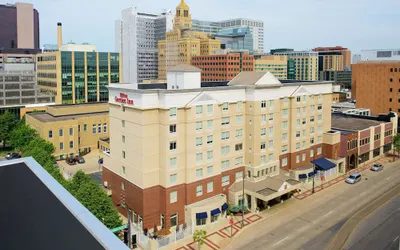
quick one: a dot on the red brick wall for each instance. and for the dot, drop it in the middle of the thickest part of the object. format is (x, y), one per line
(292, 157)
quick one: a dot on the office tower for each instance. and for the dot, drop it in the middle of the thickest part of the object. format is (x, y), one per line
(306, 63)
(136, 37)
(380, 55)
(238, 38)
(182, 43)
(334, 58)
(276, 65)
(19, 26)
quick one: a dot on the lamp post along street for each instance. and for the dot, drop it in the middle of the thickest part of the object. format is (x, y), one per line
(129, 228)
(243, 202)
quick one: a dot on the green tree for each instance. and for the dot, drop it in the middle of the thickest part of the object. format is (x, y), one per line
(396, 144)
(21, 136)
(38, 142)
(7, 124)
(199, 236)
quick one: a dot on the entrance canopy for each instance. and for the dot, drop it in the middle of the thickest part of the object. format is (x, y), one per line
(323, 164)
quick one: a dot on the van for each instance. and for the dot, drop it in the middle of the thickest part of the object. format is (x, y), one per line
(353, 178)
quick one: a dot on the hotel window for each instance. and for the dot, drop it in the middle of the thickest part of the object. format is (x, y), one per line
(104, 127)
(263, 118)
(199, 110)
(199, 141)
(239, 105)
(209, 170)
(263, 131)
(239, 119)
(303, 132)
(84, 127)
(238, 161)
(271, 117)
(199, 190)
(225, 121)
(319, 117)
(270, 144)
(71, 144)
(263, 104)
(123, 139)
(210, 155)
(284, 149)
(172, 146)
(61, 145)
(298, 123)
(271, 104)
(99, 128)
(311, 153)
(298, 99)
(284, 124)
(297, 134)
(284, 162)
(225, 165)
(225, 180)
(209, 140)
(311, 130)
(199, 126)
(199, 173)
(262, 159)
(270, 131)
(123, 185)
(210, 124)
(94, 129)
(50, 133)
(71, 131)
(304, 121)
(285, 112)
(284, 137)
(239, 147)
(123, 154)
(225, 135)
(173, 197)
(239, 176)
(173, 219)
(122, 122)
(319, 107)
(297, 158)
(262, 147)
(210, 109)
(172, 179)
(172, 128)
(172, 163)
(172, 112)
(225, 150)
(225, 106)
(312, 119)
(298, 145)
(239, 133)
(319, 150)
(123, 170)
(61, 132)
(210, 187)
(303, 144)
(303, 157)
(298, 111)
(199, 157)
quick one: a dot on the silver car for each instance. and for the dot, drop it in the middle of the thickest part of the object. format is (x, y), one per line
(353, 178)
(377, 167)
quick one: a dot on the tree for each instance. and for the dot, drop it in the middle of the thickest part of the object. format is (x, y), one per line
(7, 124)
(199, 236)
(40, 143)
(396, 144)
(21, 136)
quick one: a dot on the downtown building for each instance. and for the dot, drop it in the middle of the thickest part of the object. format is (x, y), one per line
(305, 63)
(178, 156)
(136, 38)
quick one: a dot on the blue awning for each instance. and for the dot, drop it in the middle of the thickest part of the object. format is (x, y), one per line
(224, 207)
(302, 176)
(311, 174)
(215, 211)
(201, 215)
(323, 164)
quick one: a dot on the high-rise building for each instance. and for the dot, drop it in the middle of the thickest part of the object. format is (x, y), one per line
(342, 78)
(19, 26)
(380, 55)
(306, 63)
(136, 38)
(238, 38)
(375, 85)
(331, 61)
(276, 65)
(182, 43)
(223, 66)
(256, 28)
(178, 155)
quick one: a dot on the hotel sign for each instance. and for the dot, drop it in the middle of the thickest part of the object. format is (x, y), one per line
(123, 98)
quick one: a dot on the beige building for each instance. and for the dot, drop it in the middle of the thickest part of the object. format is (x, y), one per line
(306, 64)
(187, 146)
(72, 128)
(182, 42)
(276, 65)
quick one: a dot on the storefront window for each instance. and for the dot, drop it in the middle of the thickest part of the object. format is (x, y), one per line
(201, 222)
(174, 220)
(214, 218)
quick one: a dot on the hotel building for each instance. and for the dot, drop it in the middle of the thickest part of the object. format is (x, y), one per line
(182, 43)
(177, 155)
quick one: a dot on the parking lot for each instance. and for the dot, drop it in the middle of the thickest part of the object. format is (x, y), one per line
(90, 166)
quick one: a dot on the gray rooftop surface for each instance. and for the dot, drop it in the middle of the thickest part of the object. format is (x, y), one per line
(340, 122)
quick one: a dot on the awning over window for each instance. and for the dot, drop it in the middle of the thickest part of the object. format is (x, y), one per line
(201, 215)
(323, 164)
(215, 211)
(224, 207)
(311, 174)
(302, 176)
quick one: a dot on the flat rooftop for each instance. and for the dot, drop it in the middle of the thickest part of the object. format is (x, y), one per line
(46, 117)
(342, 122)
(38, 213)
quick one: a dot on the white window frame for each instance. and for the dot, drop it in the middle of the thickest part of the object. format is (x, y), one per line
(225, 180)
(199, 190)
(210, 186)
(173, 197)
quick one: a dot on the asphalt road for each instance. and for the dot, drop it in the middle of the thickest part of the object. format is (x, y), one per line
(311, 223)
(97, 177)
(379, 230)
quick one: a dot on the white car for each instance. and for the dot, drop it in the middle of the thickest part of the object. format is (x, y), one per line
(377, 167)
(353, 178)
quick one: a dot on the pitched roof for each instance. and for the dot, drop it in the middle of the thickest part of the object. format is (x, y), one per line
(254, 79)
(184, 68)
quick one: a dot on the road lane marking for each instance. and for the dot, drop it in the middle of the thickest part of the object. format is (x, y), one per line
(388, 178)
(282, 240)
(363, 193)
(328, 213)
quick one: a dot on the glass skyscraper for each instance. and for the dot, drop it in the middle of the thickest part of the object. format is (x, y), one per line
(236, 38)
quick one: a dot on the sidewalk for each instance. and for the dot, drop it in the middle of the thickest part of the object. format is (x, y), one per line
(332, 182)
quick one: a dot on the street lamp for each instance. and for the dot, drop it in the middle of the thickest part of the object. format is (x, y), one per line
(243, 201)
(129, 222)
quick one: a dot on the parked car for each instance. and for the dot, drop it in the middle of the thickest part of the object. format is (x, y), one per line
(81, 160)
(353, 178)
(70, 161)
(377, 167)
(10, 156)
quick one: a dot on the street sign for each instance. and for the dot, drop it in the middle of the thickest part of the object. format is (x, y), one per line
(116, 229)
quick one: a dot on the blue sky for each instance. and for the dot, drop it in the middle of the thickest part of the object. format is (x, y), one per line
(298, 24)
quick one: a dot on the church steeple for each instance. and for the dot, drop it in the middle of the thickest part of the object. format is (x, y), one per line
(183, 19)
